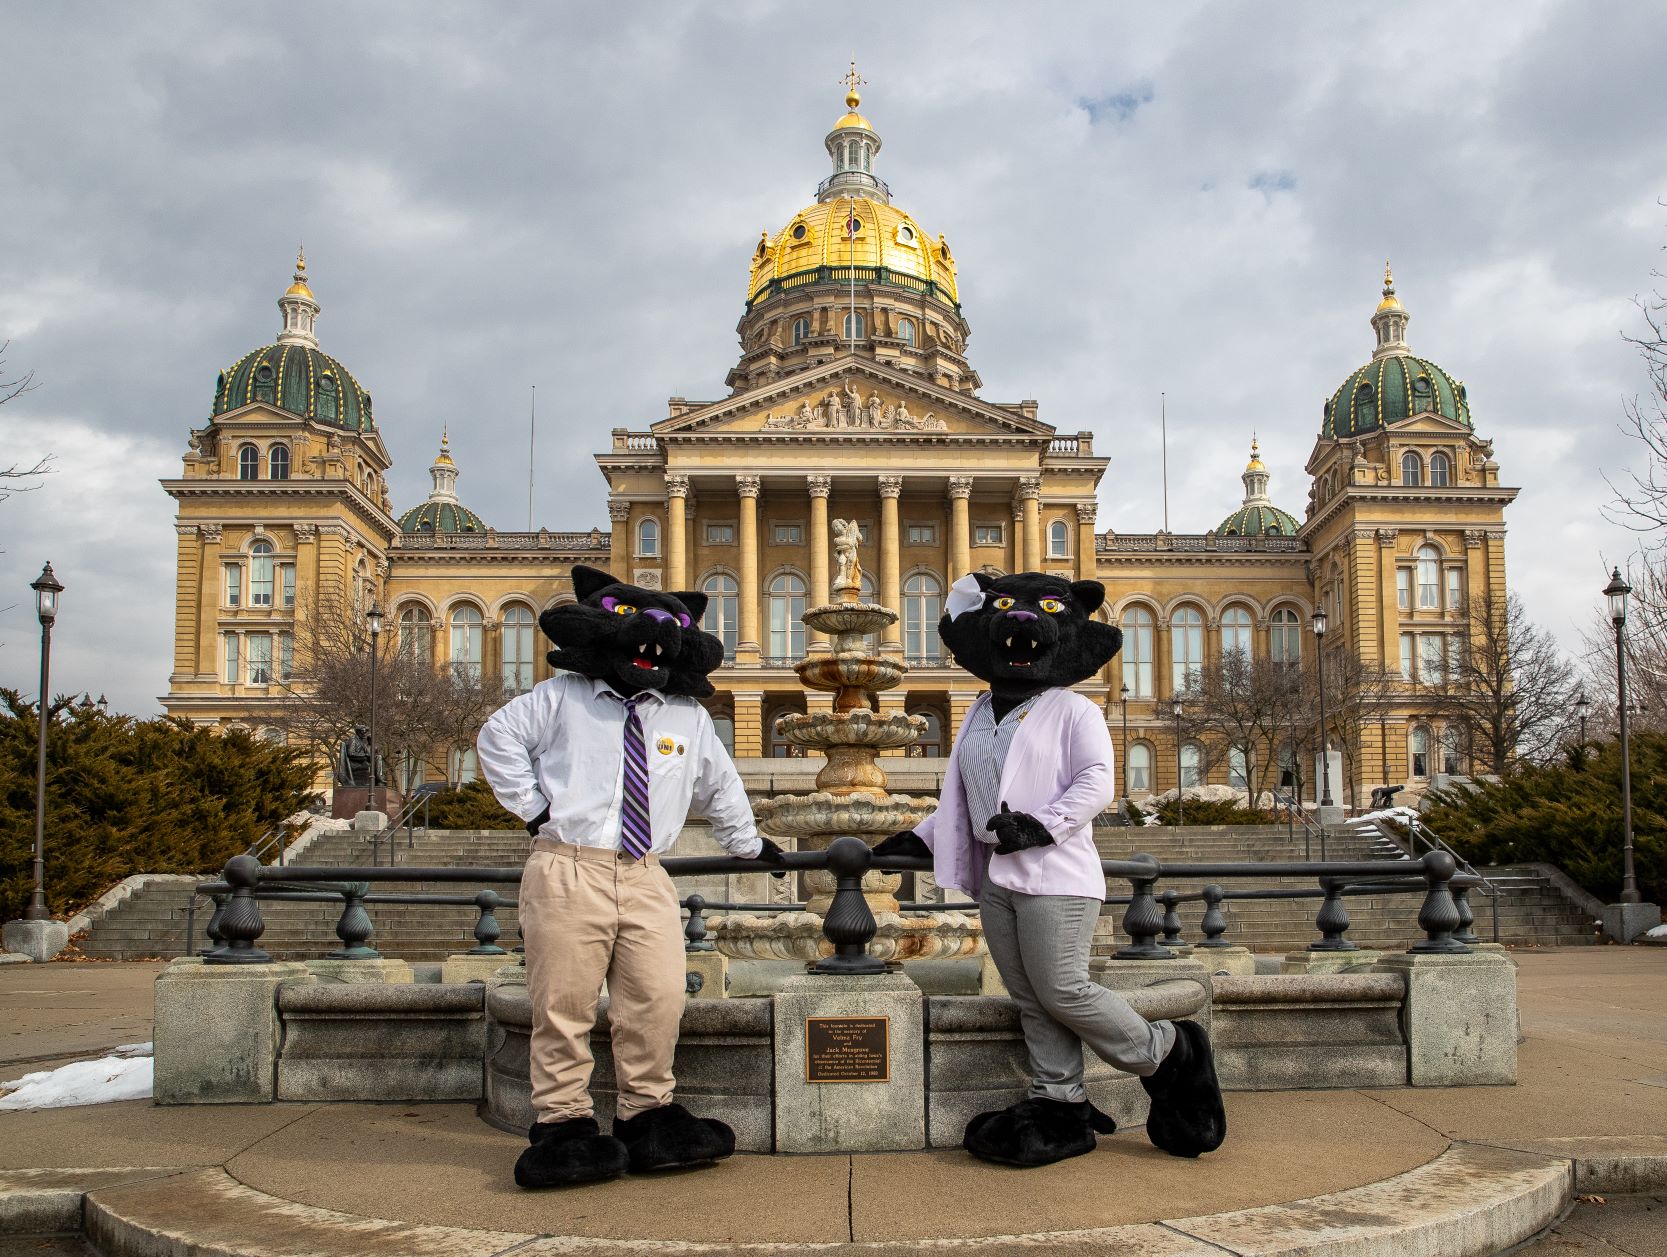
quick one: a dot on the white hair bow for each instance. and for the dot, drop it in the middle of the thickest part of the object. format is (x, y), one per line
(965, 595)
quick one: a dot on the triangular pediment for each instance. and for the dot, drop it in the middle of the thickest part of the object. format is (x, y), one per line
(851, 399)
(1429, 421)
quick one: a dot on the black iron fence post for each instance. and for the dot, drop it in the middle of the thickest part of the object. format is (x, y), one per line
(487, 929)
(1438, 916)
(1214, 923)
(1172, 919)
(219, 914)
(1141, 920)
(240, 924)
(354, 928)
(849, 923)
(694, 933)
(1467, 918)
(1332, 920)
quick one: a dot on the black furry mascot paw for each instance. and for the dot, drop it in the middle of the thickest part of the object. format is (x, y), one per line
(1187, 1117)
(670, 1136)
(1017, 831)
(1036, 1131)
(564, 1154)
(904, 843)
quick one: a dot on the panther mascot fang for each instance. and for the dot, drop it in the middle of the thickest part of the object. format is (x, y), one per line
(1031, 767)
(604, 761)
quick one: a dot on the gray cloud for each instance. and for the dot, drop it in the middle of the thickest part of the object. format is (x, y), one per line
(1183, 199)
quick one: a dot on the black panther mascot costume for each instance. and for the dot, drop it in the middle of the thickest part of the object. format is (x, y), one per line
(604, 761)
(1032, 766)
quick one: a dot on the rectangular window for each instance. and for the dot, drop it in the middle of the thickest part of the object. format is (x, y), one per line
(260, 581)
(923, 534)
(286, 656)
(720, 534)
(234, 584)
(1406, 658)
(1432, 660)
(286, 580)
(260, 659)
(1403, 588)
(862, 534)
(1455, 588)
(231, 659)
(789, 534)
(1140, 769)
(987, 535)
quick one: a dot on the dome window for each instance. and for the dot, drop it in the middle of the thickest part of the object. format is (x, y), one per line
(1421, 386)
(265, 383)
(800, 231)
(220, 386)
(248, 463)
(801, 329)
(277, 462)
(906, 332)
(853, 225)
(905, 234)
(327, 396)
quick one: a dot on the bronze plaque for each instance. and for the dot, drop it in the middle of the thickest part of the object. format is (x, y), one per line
(847, 1049)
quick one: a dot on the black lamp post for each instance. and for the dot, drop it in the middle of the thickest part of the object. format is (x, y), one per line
(1319, 657)
(1616, 591)
(47, 589)
(1123, 697)
(1180, 782)
(373, 618)
(1582, 705)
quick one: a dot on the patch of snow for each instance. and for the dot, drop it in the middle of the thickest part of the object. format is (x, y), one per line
(1659, 931)
(126, 1074)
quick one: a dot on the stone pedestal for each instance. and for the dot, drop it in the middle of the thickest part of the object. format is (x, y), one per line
(369, 821)
(38, 940)
(708, 974)
(1329, 961)
(346, 802)
(869, 1115)
(1237, 962)
(1460, 1018)
(466, 968)
(382, 972)
(1622, 922)
(217, 1034)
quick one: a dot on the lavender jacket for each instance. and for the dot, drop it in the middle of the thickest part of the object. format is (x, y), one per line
(1060, 769)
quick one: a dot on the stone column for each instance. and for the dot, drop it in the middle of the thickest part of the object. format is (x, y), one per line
(211, 594)
(749, 723)
(891, 562)
(1018, 561)
(747, 649)
(960, 527)
(819, 487)
(619, 540)
(1030, 494)
(1088, 563)
(677, 534)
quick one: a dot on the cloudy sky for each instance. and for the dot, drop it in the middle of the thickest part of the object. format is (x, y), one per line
(1187, 199)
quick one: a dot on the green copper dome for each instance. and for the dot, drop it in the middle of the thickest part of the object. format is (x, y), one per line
(1258, 521)
(1396, 386)
(434, 516)
(298, 379)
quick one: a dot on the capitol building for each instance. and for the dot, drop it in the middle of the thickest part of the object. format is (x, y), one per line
(853, 396)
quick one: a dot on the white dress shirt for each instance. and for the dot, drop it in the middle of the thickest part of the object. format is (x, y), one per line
(561, 745)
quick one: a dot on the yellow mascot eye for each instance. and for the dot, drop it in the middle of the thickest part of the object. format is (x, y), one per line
(1001, 604)
(1053, 606)
(624, 608)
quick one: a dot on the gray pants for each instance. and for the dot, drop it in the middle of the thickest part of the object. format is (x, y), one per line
(1041, 945)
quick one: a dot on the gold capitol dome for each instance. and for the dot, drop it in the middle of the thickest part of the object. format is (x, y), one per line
(852, 224)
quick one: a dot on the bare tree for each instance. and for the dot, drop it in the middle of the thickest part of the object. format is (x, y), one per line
(1244, 704)
(1641, 505)
(423, 710)
(1646, 653)
(13, 475)
(1507, 683)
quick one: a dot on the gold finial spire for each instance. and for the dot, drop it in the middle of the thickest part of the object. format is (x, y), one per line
(301, 258)
(299, 287)
(445, 446)
(1390, 300)
(1255, 463)
(852, 81)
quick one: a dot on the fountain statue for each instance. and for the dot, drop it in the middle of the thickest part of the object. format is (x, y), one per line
(850, 795)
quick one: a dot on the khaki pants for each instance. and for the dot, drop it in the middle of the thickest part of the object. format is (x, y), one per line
(586, 914)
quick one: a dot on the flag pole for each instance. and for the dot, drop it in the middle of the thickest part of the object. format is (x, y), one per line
(532, 439)
(1163, 419)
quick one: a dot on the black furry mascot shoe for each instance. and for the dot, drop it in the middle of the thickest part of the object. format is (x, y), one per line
(1035, 1131)
(565, 1153)
(669, 1136)
(1187, 1117)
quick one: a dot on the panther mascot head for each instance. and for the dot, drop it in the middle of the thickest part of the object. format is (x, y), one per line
(1028, 632)
(634, 639)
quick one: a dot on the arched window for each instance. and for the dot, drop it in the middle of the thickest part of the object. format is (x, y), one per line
(801, 329)
(277, 462)
(778, 746)
(465, 643)
(1419, 743)
(1192, 765)
(906, 332)
(1059, 540)
(787, 606)
(260, 574)
(1186, 640)
(922, 609)
(720, 617)
(1429, 578)
(1137, 651)
(518, 648)
(416, 634)
(1285, 637)
(724, 727)
(929, 743)
(1140, 768)
(1364, 415)
(1452, 746)
(327, 396)
(854, 325)
(248, 463)
(1412, 469)
(648, 538)
(1235, 633)
(1441, 471)
(1238, 768)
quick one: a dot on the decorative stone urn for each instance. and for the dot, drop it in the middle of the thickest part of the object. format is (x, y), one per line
(851, 797)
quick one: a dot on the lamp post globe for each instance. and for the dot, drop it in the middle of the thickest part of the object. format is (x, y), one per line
(373, 621)
(1616, 592)
(1319, 622)
(47, 587)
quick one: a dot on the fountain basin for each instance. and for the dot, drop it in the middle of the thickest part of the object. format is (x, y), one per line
(850, 728)
(798, 936)
(851, 669)
(860, 618)
(823, 813)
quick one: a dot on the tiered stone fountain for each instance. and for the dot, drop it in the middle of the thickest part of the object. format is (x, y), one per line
(850, 796)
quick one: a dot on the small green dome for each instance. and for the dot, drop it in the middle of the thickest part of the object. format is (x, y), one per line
(298, 379)
(1391, 388)
(1258, 521)
(434, 516)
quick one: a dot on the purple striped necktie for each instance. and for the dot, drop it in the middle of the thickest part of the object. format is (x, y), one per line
(636, 834)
